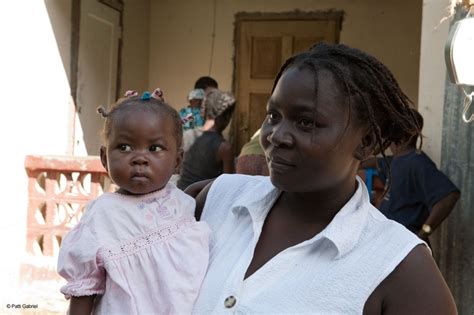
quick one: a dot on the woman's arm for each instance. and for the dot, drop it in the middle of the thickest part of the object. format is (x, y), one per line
(81, 305)
(416, 286)
(225, 154)
(199, 192)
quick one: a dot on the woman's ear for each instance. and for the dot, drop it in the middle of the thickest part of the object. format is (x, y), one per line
(366, 147)
(103, 157)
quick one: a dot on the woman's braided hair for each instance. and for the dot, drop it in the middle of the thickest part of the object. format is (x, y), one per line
(137, 103)
(370, 87)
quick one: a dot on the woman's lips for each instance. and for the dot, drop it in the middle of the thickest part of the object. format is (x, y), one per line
(280, 165)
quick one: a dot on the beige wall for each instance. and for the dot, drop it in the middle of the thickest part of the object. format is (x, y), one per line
(135, 46)
(181, 38)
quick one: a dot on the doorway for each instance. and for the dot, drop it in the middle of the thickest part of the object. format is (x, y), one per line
(262, 43)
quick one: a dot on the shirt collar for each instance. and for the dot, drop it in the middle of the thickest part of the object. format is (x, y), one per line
(343, 231)
(258, 200)
(346, 227)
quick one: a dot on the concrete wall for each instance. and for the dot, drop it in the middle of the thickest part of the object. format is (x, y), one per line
(433, 74)
(181, 33)
(34, 116)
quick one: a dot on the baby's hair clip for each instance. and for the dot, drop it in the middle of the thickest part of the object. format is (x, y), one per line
(146, 96)
(158, 94)
(131, 93)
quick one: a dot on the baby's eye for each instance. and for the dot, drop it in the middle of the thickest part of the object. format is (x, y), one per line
(124, 148)
(156, 148)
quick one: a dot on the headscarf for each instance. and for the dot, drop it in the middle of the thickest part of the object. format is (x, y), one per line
(217, 102)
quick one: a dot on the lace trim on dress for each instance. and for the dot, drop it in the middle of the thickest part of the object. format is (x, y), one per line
(143, 241)
(86, 287)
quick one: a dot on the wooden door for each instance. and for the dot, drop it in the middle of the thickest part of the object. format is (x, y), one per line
(262, 46)
(97, 71)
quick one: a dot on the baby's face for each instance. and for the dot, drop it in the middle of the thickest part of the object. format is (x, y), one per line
(141, 153)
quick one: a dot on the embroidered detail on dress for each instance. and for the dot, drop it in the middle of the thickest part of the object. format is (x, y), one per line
(143, 241)
(158, 204)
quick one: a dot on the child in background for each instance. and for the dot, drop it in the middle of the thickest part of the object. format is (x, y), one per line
(192, 118)
(192, 115)
(138, 250)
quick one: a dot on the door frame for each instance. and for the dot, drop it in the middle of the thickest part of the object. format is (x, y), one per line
(296, 15)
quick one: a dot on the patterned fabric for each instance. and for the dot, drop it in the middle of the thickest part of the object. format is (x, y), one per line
(196, 94)
(197, 120)
(252, 164)
(142, 254)
(217, 102)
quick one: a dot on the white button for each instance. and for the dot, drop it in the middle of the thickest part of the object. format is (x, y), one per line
(230, 301)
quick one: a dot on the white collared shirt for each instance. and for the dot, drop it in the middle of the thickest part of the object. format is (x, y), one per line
(332, 273)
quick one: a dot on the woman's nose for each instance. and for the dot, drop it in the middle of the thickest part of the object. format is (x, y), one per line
(281, 136)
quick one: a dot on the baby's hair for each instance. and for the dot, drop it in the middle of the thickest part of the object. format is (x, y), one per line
(371, 88)
(137, 103)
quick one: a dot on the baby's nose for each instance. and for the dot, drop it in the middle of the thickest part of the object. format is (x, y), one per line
(139, 159)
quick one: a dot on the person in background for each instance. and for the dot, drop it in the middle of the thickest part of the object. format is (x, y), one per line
(420, 196)
(206, 83)
(251, 160)
(210, 155)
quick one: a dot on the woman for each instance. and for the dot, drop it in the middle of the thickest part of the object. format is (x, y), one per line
(307, 239)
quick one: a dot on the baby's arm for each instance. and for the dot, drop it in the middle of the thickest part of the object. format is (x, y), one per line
(81, 305)
(79, 265)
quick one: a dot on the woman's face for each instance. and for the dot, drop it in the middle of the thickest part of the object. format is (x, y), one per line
(308, 138)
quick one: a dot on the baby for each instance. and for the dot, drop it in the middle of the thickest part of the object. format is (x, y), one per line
(138, 250)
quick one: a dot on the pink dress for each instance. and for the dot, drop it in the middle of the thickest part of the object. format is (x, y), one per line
(140, 254)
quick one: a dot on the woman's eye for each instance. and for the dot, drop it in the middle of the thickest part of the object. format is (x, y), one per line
(306, 123)
(125, 148)
(156, 148)
(272, 117)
